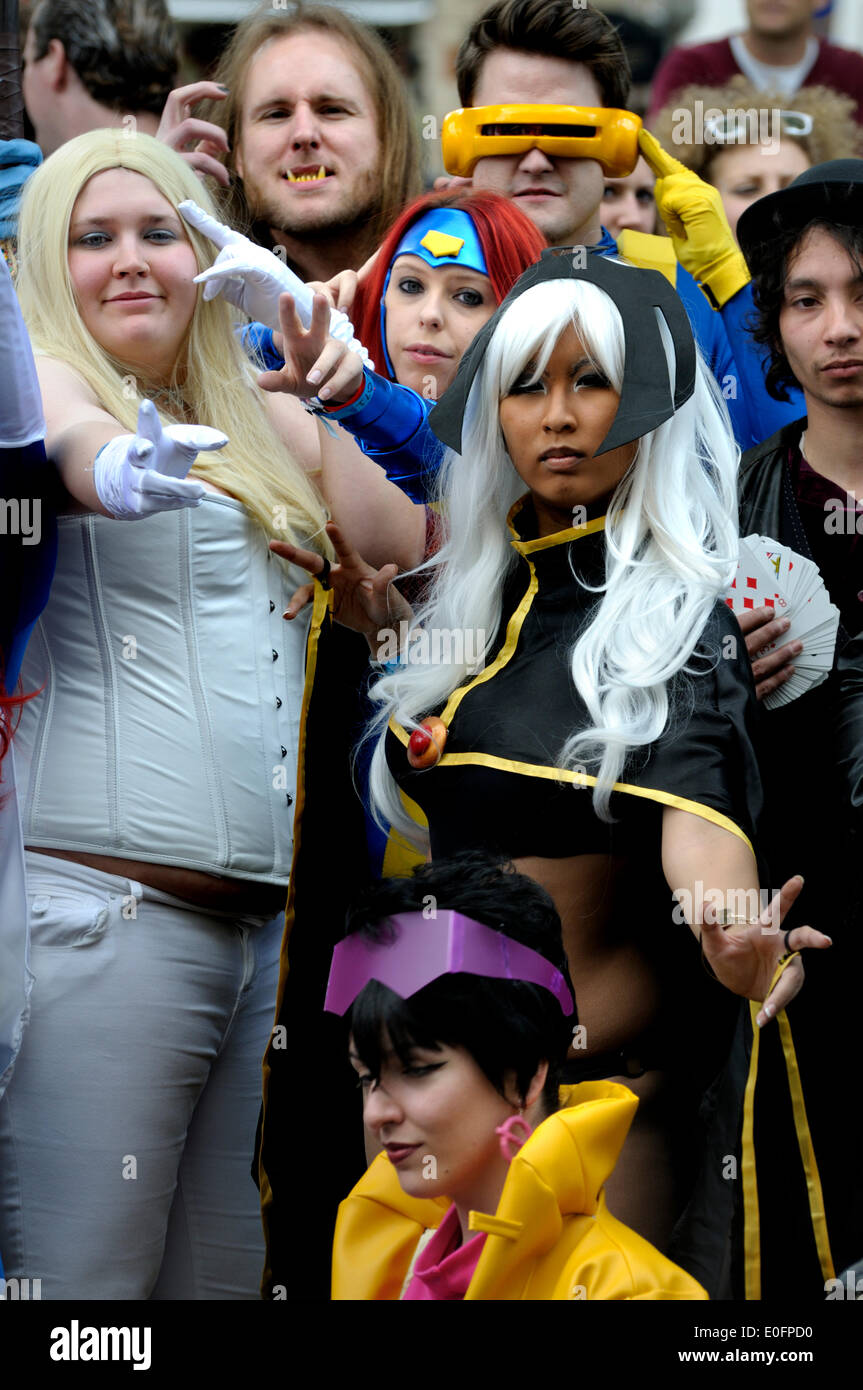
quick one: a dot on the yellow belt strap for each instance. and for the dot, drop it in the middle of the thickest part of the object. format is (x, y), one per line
(751, 1223)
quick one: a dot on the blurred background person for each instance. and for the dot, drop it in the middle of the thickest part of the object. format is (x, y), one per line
(96, 64)
(778, 51)
(813, 126)
(628, 204)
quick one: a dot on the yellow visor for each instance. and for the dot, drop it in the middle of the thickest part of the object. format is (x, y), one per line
(602, 133)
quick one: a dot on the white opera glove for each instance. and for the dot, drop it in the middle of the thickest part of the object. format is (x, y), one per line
(136, 475)
(21, 419)
(251, 278)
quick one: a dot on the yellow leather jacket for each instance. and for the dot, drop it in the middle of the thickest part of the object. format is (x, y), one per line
(552, 1236)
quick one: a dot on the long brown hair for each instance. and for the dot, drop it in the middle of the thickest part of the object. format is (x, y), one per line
(398, 177)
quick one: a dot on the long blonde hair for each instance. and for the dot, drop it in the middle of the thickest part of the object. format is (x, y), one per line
(218, 382)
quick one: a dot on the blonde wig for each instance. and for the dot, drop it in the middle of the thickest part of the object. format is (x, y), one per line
(212, 376)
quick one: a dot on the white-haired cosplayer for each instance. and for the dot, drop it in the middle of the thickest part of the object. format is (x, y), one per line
(603, 740)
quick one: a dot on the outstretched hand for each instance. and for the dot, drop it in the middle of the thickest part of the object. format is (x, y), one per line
(744, 958)
(364, 599)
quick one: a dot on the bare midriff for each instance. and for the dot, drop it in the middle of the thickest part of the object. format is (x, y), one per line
(618, 997)
(617, 987)
(204, 890)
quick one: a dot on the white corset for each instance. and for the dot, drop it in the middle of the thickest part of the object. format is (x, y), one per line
(167, 729)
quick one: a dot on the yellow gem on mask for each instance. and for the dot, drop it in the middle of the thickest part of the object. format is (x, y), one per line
(442, 244)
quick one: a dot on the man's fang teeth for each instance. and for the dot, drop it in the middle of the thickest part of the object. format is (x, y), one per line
(307, 178)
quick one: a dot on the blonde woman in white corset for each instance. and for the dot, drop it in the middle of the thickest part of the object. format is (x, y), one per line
(158, 763)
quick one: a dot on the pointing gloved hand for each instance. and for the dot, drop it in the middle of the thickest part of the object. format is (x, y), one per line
(696, 222)
(136, 475)
(252, 278)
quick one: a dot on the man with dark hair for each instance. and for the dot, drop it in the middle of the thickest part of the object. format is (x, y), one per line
(778, 51)
(323, 149)
(545, 52)
(94, 65)
(804, 246)
(532, 53)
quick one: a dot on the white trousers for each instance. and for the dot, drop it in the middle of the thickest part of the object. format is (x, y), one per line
(127, 1132)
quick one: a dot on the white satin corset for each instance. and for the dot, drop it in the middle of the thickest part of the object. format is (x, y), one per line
(167, 729)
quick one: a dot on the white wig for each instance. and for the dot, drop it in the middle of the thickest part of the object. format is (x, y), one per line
(671, 548)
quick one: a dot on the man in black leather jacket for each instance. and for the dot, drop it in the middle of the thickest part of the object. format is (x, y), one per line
(804, 247)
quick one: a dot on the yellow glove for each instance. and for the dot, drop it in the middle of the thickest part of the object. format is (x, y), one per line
(695, 220)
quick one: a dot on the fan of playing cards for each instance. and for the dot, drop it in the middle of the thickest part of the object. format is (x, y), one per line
(770, 575)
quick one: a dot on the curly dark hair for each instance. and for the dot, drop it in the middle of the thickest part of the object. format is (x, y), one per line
(770, 264)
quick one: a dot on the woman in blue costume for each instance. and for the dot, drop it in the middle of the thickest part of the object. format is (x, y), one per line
(605, 732)
(458, 254)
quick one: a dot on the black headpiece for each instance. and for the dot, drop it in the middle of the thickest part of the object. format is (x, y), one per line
(645, 398)
(832, 191)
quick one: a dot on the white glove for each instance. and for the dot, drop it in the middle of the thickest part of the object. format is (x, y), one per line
(138, 474)
(252, 278)
(21, 420)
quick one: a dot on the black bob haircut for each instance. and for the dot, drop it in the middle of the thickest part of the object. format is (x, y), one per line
(508, 1026)
(770, 264)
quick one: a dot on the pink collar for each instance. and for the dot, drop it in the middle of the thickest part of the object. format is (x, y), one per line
(445, 1267)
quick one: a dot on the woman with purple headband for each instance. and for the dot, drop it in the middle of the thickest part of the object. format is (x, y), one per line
(490, 1180)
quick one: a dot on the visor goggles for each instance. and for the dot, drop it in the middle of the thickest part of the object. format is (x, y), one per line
(602, 133)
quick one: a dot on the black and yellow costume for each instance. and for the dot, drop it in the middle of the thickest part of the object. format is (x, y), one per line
(512, 719)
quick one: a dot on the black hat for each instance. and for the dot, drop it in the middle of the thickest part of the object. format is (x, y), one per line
(833, 191)
(646, 399)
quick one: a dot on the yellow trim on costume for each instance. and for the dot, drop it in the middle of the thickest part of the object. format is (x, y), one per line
(583, 779)
(807, 1152)
(751, 1222)
(507, 651)
(751, 1218)
(574, 533)
(442, 243)
(650, 252)
(516, 621)
(321, 605)
(494, 1225)
(400, 856)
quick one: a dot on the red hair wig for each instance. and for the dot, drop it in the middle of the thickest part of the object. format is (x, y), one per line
(510, 243)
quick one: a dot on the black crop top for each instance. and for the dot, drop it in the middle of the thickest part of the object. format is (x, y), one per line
(498, 786)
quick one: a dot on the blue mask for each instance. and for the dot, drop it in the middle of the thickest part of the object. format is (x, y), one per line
(442, 236)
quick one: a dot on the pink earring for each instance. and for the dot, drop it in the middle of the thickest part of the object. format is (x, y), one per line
(515, 1131)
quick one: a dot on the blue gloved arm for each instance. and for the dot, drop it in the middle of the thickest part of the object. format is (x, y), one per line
(390, 424)
(766, 415)
(388, 421)
(708, 327)
(257, 342)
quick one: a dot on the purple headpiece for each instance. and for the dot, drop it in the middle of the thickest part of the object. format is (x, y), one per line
(422, 949)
